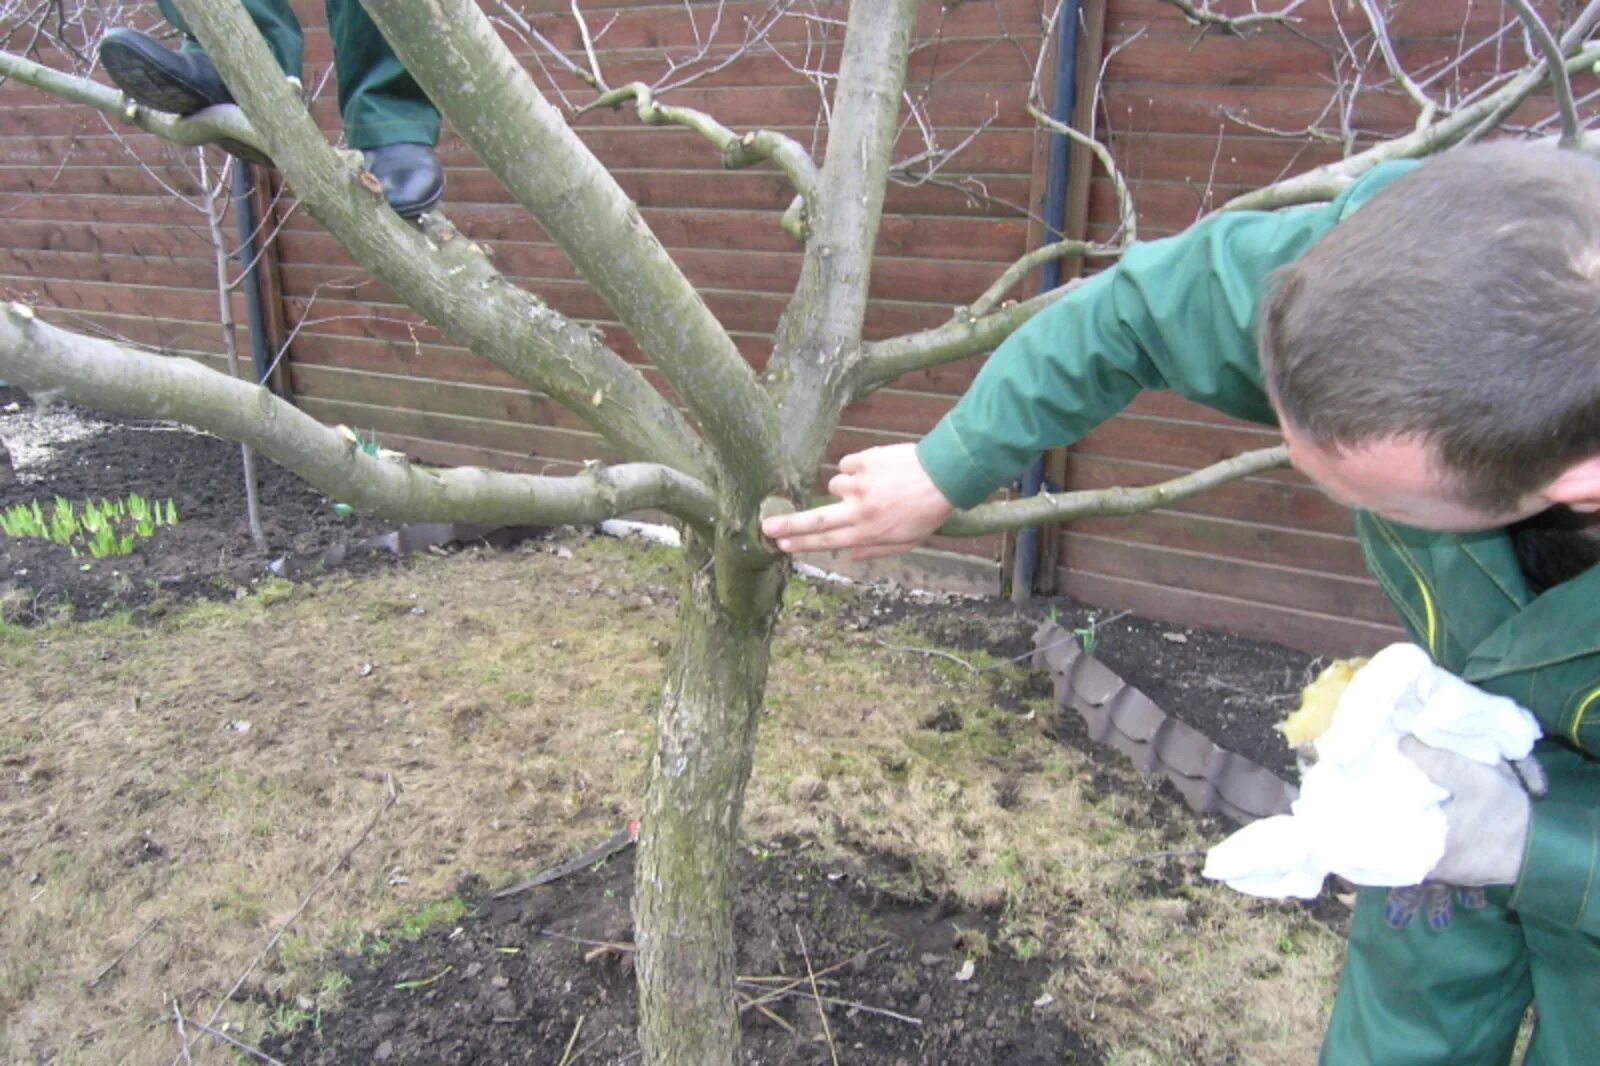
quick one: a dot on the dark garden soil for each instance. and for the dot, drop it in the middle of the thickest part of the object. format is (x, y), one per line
(1231, 689)
(519, 977)
(209, 554)
(554, 968)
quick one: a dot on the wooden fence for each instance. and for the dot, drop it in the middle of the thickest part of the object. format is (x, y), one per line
(98, 235)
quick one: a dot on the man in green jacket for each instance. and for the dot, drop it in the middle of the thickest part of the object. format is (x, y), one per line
(386, 114)
(1429, 344)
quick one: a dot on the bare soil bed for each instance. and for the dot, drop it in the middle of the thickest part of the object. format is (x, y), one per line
(553, 969)
(209, 554)
(848, 898)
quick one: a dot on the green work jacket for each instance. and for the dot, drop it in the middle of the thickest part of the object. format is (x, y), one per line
(1180, 314)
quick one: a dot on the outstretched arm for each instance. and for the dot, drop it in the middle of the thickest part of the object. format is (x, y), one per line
(1177, 313)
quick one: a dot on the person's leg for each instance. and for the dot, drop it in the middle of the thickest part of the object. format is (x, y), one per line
(386, 114)
(1566, 988)
(380, 102)
(1420, 997)
(1564, 963)
(274, 18)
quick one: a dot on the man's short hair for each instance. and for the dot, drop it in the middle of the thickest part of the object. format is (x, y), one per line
(1460, 307)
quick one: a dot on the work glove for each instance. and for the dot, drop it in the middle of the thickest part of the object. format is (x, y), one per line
(1371, 812)
(1486, 831)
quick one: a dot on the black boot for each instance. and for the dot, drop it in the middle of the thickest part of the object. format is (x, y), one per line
(413, 180)
(179, 83)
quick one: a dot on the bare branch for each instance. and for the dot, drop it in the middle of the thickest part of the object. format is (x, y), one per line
(1057, 507)
(1326, 182)
(214, 124)
(216, 207)
(1018, 270)
(962, 336)
(933, 158)
(1576, 34)
(1571, 129)
(1128, 216)
(51, 363)
(756, 33)
(1239, 25)
(738, 150)
(588, 43)
(1426, 107)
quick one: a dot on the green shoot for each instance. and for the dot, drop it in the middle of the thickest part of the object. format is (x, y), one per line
(97, 527)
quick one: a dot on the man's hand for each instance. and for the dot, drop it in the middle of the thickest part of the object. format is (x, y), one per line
(887, 504)
(1488, 813)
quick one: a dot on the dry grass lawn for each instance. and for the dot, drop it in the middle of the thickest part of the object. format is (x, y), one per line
(180, 788)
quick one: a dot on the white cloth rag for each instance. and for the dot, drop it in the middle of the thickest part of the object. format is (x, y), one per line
(1365, 811)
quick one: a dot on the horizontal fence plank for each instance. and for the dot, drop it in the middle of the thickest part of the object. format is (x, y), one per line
(1225, 576)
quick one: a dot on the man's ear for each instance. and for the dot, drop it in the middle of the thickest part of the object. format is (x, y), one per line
(1578, 486)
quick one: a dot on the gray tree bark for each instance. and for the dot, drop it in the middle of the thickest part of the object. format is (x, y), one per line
(684, 882)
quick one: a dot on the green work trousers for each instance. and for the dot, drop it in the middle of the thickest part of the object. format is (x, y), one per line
(380, 102)
(1456, 997)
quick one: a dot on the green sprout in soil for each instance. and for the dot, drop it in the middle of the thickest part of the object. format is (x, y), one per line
(97, 528)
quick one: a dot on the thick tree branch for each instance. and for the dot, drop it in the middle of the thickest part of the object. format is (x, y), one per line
(1053, 508)
(1326, 182)
(447, 278)
(455, 53)
(214, 124)
(50, 362)
(962, 336)
(820, 332)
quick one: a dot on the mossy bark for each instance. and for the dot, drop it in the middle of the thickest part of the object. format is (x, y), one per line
(683, 898)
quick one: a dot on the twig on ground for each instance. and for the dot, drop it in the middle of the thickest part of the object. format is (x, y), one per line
(567, 1056)
(958, 660)
(850, 1004)
(789, 984)
(391, 797)
(183, 1034)
(747, 1003)
(112, 965)
(1134, 860)
(816, 994)
(609, 945)
(423, 982)
(1090, 628)
(255, 1053)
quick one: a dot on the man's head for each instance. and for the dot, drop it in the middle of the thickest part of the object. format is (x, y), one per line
(1436, 357)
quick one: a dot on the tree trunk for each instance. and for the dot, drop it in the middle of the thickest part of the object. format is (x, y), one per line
(683, 897)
